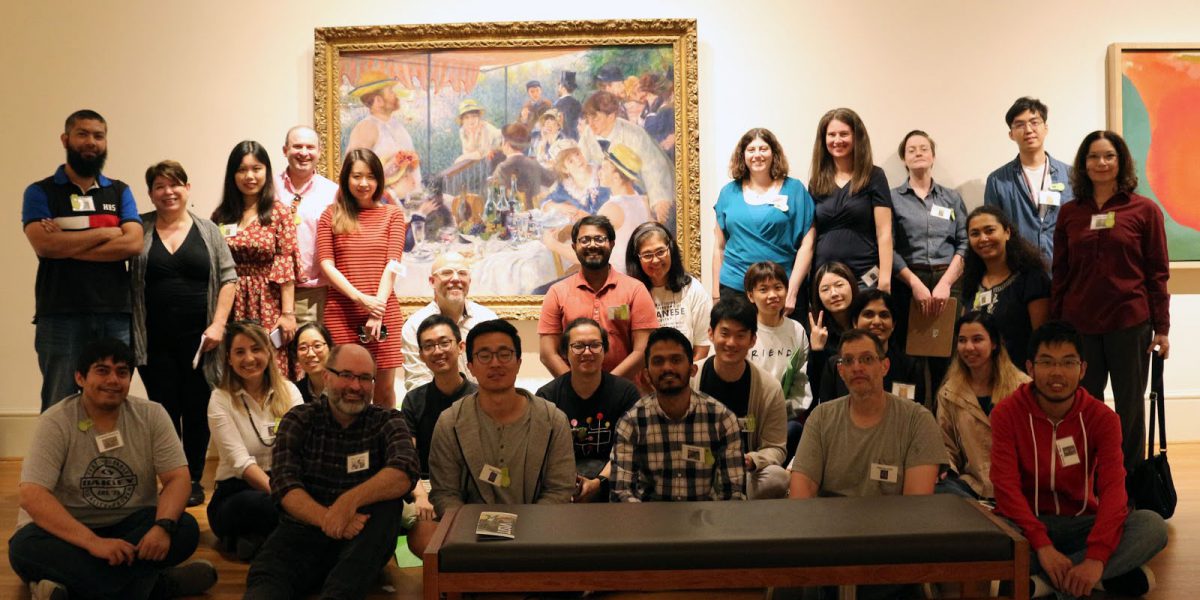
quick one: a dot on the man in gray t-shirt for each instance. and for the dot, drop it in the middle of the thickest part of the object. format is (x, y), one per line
(92, 520)
(869, 443)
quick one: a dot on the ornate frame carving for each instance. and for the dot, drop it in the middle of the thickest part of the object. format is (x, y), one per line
(680, 34)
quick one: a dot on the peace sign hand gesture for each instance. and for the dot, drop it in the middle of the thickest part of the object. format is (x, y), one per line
(818, 333)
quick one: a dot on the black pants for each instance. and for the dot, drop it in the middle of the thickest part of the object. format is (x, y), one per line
(172, 382)
(1120, 356)
(238, 510)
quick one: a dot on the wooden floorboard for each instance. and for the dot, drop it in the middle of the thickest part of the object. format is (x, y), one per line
(1176, 579)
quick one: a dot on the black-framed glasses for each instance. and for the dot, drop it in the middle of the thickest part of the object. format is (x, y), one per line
(365, 338)
(442, 344)
(592, 240)
(1049, 363)
(650, 255)
(502, 356)
(865, 360)
(580, 347)
(347, 377)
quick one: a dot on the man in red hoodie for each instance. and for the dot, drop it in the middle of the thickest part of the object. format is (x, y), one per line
(1059, 475)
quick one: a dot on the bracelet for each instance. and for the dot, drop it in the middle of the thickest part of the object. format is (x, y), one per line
(288, 314)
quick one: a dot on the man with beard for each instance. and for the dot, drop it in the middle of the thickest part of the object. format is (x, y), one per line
(83, 226)
(450, 278)
(676, 444)
(340, 467)
(620, 303)
(1059, 475)
(500, 445)
(307, 193)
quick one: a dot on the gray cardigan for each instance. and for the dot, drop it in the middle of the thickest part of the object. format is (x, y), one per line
(221, 271)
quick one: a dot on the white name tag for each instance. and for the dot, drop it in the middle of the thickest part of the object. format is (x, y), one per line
(694, 454)
(907, 391)
(82, 203)
(748, 423)
(1104, 221)
(268, 432)
(885, 473)
(112, 440)
(871, 277)
(358, 462)
(1067, 453)
(942, 212)
(984, 298)
(493, 476)
(1049, 198)
(229, 229)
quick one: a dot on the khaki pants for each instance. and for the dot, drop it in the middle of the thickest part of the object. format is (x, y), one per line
(310, 304)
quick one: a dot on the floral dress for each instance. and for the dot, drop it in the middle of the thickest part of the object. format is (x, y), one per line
(266, 259)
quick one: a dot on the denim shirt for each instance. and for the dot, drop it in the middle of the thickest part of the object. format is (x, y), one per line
(1007, 189)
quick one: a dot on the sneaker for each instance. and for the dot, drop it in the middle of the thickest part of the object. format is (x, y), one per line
(191, 579)
(197, 497)
(1039, 587)
(1137, 582)
(47, 590)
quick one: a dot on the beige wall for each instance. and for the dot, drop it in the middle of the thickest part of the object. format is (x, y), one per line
(187, 80)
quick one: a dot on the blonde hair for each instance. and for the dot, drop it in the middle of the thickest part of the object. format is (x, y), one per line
(273, 380)
(1006, 377)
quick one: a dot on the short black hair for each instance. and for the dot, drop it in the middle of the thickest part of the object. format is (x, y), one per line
(1023, 104)
(856, 334)
(868, 296)
(565, 339)
(737, 309)
(83, 114)
(103, 348)
(493, 326)
(1055, 332)
(671, 335)
(595, 221)
(438, 319)
(295, 343)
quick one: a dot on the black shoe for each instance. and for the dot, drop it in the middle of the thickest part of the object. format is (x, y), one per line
(197, 497)
(191, 579)
(247, 547)
(1137, 582)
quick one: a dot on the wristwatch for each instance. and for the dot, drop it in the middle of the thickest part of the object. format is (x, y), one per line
(604, 485)
(169, 525)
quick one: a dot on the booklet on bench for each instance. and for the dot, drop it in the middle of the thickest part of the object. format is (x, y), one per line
(496, 525)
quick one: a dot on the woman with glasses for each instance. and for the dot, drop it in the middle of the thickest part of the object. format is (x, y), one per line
(243, 412)
(261, 234)
(875, 311)
(309, 351)
(680, 299)
(360, 241)
(1110, 279)
(182, 289)
(762, 215)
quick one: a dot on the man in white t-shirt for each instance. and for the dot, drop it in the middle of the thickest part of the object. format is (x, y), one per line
(307, 193)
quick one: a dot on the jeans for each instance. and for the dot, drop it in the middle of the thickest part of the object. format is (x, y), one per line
(35, 555)
(299, 558)
(60, 339)
(1145, 535)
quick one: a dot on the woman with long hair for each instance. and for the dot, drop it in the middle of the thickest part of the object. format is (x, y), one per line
(243, 411)
(1005, 277)
(261, 235)
(681, 301)
(359, 241)
(309, 350)
(833, 291)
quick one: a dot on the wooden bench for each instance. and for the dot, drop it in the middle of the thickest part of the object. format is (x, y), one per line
(727, 545)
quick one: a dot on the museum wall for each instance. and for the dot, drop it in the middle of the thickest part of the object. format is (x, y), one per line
(188, 80)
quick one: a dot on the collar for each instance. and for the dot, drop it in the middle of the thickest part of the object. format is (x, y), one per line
(581, 282)
(1016, 164)
(286, 180)
(323, 406)
(60, 177)
(1118, 199)
(694, 399)
(906, 187)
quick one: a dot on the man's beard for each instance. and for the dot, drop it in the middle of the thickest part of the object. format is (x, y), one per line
(671, 390)
(349, 408)
(593, 262)
(83, 166)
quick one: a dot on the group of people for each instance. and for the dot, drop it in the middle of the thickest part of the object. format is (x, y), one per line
(661, 391)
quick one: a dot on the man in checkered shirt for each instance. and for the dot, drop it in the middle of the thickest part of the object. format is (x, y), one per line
(676, 444)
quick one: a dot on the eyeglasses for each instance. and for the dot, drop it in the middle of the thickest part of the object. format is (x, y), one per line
(450, 273)
(442, 344)
(1068, 363)
(650, 255)
(347, 377)
(580, 347)
(502, 356)
(364, 338)
(865, 360)
(317, 347)
(592, 240)
(1030, 124)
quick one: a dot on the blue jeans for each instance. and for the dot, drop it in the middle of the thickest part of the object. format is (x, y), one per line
(60, 339)
(1145, 535)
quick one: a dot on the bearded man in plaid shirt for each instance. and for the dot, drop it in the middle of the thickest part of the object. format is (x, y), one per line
(676, 444)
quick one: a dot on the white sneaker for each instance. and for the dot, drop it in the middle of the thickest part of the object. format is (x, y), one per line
(1039, 587)
(47, 590)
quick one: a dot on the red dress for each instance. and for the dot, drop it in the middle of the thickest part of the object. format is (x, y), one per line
(362, 256)
(266, 259)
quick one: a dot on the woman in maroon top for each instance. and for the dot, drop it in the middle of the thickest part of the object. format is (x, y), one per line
(360, 241)
(1110, 279)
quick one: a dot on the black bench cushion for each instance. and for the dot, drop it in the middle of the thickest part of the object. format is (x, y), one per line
(708, 535)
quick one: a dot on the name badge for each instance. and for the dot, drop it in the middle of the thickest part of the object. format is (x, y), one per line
(82, 203)
(358, 462)
(697, 455)
(109, 441)
(1049, 198)
(984, 298)
(268, 432)
(297, 220)
(748, 423)
(870, 278)
(907, 391)
(885, 473)
(1104, 221)
(229, 229)
(942, 212)
(780, 202)
(1067, 453)
(618, 313)
(494, 476)
(1058, 187)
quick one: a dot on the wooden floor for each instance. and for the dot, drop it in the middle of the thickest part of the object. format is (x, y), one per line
(1176, 579)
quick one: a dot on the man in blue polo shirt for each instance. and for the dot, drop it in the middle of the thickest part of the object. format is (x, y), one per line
(83, 226)
(1032, 187)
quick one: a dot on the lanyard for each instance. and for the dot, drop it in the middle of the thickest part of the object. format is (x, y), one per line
(1032, 193)
(254, 425)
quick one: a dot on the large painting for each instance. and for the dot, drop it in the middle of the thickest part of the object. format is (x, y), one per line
(1153, 100)
(497, 137)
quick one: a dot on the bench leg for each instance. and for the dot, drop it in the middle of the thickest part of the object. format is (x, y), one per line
(847, 592)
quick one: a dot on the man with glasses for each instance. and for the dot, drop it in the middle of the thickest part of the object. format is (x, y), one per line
(307, 193)
(340, 466)
(450, 278)
(1059, 475)
(676, 444)
(869, 443)
(441, 346)
(1032, 187)
(593, 402)
(620, 303)
(500, 445)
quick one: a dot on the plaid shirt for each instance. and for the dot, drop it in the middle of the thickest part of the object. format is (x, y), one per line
(312, 451)
(648, 461)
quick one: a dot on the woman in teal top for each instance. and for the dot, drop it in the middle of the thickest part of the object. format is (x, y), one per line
(762, 215)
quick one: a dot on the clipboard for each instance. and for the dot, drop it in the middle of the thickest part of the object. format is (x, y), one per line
(931, 336)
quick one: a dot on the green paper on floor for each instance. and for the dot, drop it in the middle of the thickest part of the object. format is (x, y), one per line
(404, 558)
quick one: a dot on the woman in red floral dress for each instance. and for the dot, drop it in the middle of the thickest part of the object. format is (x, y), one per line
(262, 237)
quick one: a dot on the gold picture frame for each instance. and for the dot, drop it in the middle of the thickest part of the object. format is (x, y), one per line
(436, 71)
